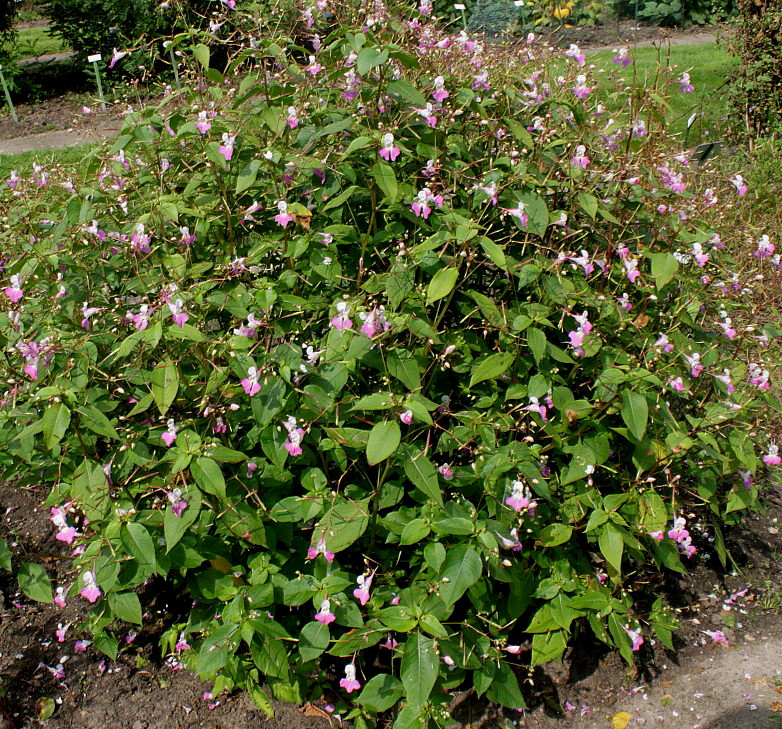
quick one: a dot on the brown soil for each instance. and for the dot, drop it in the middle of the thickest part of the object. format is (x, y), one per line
(140, 692)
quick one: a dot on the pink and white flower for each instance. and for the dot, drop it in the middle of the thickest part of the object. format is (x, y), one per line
(772, 458)
(178, 314)
(90, 591)
(575, 53)
(350, 683)
(324, 615)
(14, 292)
(169, 435)
(227, 147)
(422, 207)
(341, 321)
(320, 548)
(521, 499)
(250, 383)
(361, 593)
(388, 151)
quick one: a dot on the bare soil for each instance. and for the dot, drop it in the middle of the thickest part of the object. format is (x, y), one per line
(698, 686)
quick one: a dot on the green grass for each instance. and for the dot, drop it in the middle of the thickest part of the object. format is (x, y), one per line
(23, 162)
(709, 67)
(37, 42)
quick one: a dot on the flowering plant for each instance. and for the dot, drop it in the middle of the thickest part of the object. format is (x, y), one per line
(382, 416)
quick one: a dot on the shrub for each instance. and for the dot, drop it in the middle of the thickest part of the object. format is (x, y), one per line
(756, 88)
(393, 360)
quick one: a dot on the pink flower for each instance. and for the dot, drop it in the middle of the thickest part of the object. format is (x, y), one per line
(536, 407)
(324, 615)
(59, 597)
(422, 207)
(765, 249)
(581, 90)
(349, 683)
(250, 383)
(622, 57)
(250, 329)
(293, 117)
(90, 591)
(181, 644)
(772, 458)
(203, 124)
(178, 505)
(514, 650)
(388, 151)
(375, 322)
(685, 85)
(61, 631)
(80, 646)
(445, 471)
(631, 269)
(139, 240)
(314, 68)
(187, 238)
(520, 499)
(519, 213)
(439, 94)
(341, 321)
(295, 436)
(227, 147)
(283, 217)
(694, 361)
(677, 384)
(14, 291)
(758, 377)
(580, 159)
(390, 643)
(663, 342)
(575, 53)
(87, 311)
(717, 636)
(635, 637)
(169, 436)
(427, 113)
(320, 548)
(406, 417)
(117, 56)
(361, 593)
(738, 182)
(179, 316)
(141, 320)
(13, 180)
(725, 378)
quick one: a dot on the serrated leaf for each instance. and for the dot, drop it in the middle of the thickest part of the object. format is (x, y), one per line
(368, 58)
(536, 340)
(165, 385)
(611, 545)
(247, 176)
(139, 544)
(126, 606)
(386, 180)
(420, 666)
(491, 367)
(342, 524)
(260, 699)
(421, 471)
(201, 53)
(383, 440)
(314, 639)
(664, 268)
(381, 693)
(35, 583)
(635, 413)
(505, 689)
(461, 569)
(97, 422)
(55, 422)
(442, 284)
(208, 476)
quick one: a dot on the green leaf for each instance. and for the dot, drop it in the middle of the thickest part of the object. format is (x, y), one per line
(548, 646)
(536, 340)
(97, 422)
(247, 176)
(55, 424)
(165, 384)
(442, 284)
(414, 531)
(174, 527)
(106, 643)
(139, 544)
(314, 639)
(380, 693)
(491, 367)
(461, 569)
(368, 58)
(383, 440)
(664, 268)
(420, 470)
(358, 639)
(260, 699)
(588, 204)
(420, 666)
(555, 534)
(217, 648)
(35, 583)
(5, 555)
(405, 368)
(635, 413)
(505, 689)
(208, 476)
(201, 53)
(386, 180)
(343, 524)
(493, 251)
(611, 545)
(126, 606)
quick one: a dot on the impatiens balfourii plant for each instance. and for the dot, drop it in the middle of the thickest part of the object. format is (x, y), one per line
(396, 355)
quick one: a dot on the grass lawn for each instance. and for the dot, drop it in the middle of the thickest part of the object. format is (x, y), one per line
(37, 42)
(709, 66)
(23, 162)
